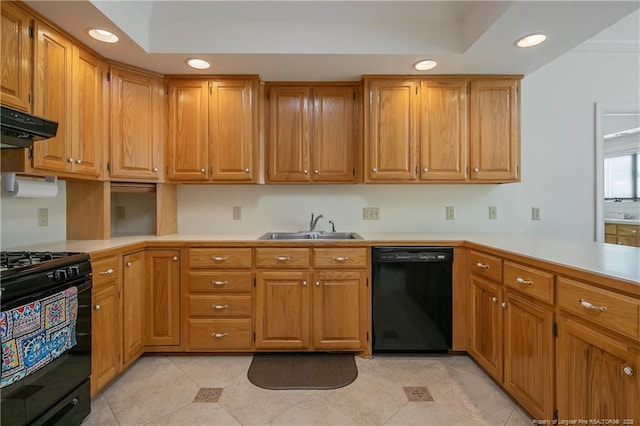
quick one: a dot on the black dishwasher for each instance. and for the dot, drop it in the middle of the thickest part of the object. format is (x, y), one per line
(412, 301)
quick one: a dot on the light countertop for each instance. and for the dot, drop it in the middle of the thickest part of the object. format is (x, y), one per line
(622, 221)
(613, 260)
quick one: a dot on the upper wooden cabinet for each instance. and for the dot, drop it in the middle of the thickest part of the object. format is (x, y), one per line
(494, 119)
(136, 114)
(213, 130)
(16, 59)
(312, 133)
(442, 129)
(69, 90)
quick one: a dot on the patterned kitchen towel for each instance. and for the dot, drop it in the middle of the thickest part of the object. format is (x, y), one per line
(35, 334)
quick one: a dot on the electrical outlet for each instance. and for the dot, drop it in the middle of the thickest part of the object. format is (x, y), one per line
(451, 212)
(43, 217)
(371, 213)
(493, 212)
(535, 213)
(237, 213)
(121, 213)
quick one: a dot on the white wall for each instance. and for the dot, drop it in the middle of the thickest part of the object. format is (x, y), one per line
(558, 172)
(19, 219)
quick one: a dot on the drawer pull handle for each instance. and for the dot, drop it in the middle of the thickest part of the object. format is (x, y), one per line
(494, 299)
(107, 272)
(282, 258)
(219, 307)
(219, 335)
(588, 305)
(523, 281)
(482, 265)
(219, 283)
(219, 258)
(340, 258)
(628, 370)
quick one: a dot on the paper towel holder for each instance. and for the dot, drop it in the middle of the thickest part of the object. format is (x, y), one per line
(9, 181)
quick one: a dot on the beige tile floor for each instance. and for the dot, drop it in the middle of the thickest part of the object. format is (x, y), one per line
(160, 390)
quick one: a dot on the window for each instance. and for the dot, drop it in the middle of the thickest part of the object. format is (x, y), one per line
(621, 178)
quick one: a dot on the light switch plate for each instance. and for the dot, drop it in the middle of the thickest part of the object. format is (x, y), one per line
(493, 212)
(450, 212)
(237, 213)
(535, 213)
(43, 217)
(371, 213)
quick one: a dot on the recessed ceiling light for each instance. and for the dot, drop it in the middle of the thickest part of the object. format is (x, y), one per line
(425, 65)
(199, 64)
(103, 35)
(531, 40)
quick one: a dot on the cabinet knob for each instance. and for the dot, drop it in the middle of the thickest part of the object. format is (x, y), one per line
(155, 170)
(97, 307)
(219, 335)
(476, 169)
(634, 231)
(305, 171)
(494, 299)
(203, 170)
(628, 370)
(128, 264)
(79, 161)
(425, 170)
(374, 170)
(304, 283)
(70, 160)
(317, 283)
(316, 171)
(504, 304)
(247, 170)
(175, 257)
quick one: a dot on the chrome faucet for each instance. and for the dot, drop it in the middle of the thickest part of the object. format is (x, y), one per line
(333, 225)
(626, 215)
(314, 222)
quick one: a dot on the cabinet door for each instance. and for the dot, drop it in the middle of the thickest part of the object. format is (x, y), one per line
(528, 355)
(233, 131)
(334, 134)
(136, 125)
(87, 112)
(444, 138)
(282, 310)
(106, 340)
(53, 98)
(338, 304)
(133, 290)
(486, 326)
(188, 138)
(494, 130)
(392, 130)
(15, 61)
(288, 134)
(597, 375)
(162, 298)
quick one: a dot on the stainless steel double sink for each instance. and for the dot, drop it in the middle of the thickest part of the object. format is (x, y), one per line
(311, 235)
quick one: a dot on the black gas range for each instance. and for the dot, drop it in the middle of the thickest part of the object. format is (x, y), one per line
(45, 325)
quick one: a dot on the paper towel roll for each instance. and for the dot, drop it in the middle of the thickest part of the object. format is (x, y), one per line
(31, 188)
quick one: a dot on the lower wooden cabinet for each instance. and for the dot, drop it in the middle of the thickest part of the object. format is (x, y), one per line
(133, 302)
(598, 376)
(162, 298)
(106, 335)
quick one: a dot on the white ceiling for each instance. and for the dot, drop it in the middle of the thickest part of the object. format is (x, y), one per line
(342, 40)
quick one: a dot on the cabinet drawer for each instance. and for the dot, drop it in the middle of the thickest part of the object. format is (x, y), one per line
(529, 281)
(218, 281)
(282, 257)
(212, 334)
(105, 271)
(610, 228)
(340, 258)
(626, 241)
(485, 265)
(627, 231)
(220, 258)
(611, 239)
(606, 308)
(219, 306)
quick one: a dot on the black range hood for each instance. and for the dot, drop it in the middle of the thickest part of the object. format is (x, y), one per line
(20, 129)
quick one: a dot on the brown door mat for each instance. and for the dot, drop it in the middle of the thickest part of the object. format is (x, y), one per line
(310, 370)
